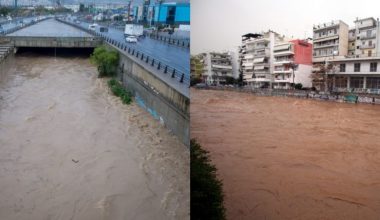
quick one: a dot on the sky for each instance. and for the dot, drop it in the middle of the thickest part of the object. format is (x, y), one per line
(217, 25)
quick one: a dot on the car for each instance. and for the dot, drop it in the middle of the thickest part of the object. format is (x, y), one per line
(131, 39)
(92, 26)
(77, 22)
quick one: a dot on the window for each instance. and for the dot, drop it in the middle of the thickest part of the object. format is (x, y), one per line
(357, 47)
(353, 44)
(358, 38)
(373, 82)
(342, 68)
(370, 53)
(335, 31)
(341, 82)
(357, 67)
(356, 82)
(369, 32)
(373, 67)
(370, 43)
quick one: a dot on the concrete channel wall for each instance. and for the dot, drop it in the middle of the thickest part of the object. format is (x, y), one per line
(59, 42)
(161, 100)
(6, 60)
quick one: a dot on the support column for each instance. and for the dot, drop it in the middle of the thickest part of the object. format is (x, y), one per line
(364, 82)
(334, 82)
(348, 82)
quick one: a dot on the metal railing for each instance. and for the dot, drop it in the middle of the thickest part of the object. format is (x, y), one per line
(169, 40)
(142, 57)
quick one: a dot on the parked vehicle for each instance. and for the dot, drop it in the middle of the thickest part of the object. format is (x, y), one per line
(92, 27)
(134, 29)
(103, 29)
(131, 39)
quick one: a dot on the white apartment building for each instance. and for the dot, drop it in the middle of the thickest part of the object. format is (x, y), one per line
(269, 60)
(257, 58)
(219, 67)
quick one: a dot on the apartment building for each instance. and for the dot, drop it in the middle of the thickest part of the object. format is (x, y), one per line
(269, 60)
(257, 58)
(358, 71)
(198, 67)
(330, 41)
(219, 67)
(292, 64)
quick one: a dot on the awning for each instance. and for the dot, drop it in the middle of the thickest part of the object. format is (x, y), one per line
(248, 64)
(281, 47)
(248, 56)
(222, 67)
(259, 67)
(259, 60)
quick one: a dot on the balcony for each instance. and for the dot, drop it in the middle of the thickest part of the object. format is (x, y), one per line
(367, 46)
(282, 71)
(365, 36)
(319, 46)
(280, 62)
(366, 25)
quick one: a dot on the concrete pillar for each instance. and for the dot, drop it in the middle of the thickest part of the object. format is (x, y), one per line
(334, 82)
(348, 82)
(364, 82)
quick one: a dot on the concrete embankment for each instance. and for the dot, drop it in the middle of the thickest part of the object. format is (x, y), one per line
(159, 98)
(335, 97)
(6, 58)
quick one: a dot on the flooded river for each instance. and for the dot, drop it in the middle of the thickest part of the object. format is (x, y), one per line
(70, 150)
(287, 158)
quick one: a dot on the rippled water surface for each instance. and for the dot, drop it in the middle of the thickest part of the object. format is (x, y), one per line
(286, 158)
(70, 150)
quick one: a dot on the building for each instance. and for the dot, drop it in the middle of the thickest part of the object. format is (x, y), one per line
(198, 67)
(269, 60)
(219, 68)
(292, 64)
(330, 41)
(167, 13)
(357, 69)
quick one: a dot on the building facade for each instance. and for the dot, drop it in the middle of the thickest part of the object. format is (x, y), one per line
(357, 69)
(269, 60)
(219, 68)
(330, 41)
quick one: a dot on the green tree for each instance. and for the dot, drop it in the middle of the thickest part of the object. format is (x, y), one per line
(106, 61)
(206, 189)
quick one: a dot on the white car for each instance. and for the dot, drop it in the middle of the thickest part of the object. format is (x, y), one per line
(131, 39)
(92, 27)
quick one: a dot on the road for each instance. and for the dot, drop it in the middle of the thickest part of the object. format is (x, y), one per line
(176, 57)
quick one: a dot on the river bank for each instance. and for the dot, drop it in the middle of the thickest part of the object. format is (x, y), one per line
(72, 150)
(290, 158)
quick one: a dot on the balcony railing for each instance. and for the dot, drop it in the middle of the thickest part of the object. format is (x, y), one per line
(366, 36)
(367, 46)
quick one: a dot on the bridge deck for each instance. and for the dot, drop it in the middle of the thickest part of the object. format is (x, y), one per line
(50, 28)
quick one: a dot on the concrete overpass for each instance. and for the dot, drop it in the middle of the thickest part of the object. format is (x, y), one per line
(160, 87)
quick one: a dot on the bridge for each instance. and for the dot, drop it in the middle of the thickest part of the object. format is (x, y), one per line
(156, 72)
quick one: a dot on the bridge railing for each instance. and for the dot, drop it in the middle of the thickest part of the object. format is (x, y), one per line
(173, 41)
(144, 58)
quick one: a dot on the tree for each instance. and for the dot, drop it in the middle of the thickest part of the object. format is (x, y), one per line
(106, 60)
(319, 77)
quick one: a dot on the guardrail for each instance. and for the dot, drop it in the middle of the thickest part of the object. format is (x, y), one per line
(14, 29)
(169, 40)
(143, 58)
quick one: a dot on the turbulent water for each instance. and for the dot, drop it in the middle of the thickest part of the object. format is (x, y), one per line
(70, 150)
(286, 158)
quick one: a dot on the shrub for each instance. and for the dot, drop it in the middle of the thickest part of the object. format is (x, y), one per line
(119, 91)
(298, 86)
(206, 189)
(105, 60)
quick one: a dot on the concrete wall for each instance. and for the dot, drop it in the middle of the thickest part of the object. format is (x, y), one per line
(5, 64)
(61, 42)
(158, 98)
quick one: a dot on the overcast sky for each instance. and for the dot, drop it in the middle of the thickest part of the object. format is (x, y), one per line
(217, 25)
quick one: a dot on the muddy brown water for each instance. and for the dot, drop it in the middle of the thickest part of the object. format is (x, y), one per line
(287, 158)
(71, 150)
